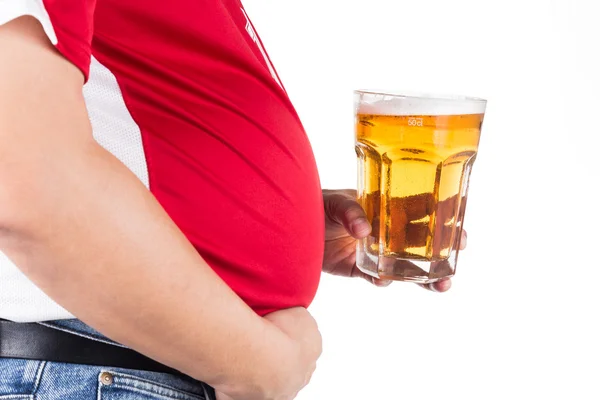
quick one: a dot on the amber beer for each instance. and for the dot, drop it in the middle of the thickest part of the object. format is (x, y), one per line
(415, 156)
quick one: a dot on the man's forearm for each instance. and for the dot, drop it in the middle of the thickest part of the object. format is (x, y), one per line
(82, 227)
(114, 259)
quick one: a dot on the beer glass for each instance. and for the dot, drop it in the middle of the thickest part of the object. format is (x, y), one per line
(415, 155)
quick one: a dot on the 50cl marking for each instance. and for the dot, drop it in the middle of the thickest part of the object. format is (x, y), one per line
(415, 122)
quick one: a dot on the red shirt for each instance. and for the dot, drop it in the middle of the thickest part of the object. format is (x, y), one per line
(224, 151)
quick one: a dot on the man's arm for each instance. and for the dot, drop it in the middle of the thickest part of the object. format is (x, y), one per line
(83, 228)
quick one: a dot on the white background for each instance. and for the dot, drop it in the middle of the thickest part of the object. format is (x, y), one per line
(521, 321)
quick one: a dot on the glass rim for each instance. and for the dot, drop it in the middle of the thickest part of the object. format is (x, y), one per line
(423, 96)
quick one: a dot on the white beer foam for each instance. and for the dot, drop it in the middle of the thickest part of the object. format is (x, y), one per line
(400, 104)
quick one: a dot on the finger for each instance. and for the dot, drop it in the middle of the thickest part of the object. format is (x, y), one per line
(371, 279)
(348, 213)
(347, 192)
(417, 234)
(375, 226)
(380, 282)
(350, 192)
(414, 207)
(447, 209)
(444, 231)
(463, 240)
(440, 269)
(440, 286)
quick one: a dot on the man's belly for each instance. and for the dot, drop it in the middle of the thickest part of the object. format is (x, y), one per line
(256, 218)
(225, 153)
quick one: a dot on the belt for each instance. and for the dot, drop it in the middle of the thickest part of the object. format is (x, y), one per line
(37, 342)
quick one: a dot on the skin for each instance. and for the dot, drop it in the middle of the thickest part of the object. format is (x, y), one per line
(227, 345)
(346, 222)
(73, 237)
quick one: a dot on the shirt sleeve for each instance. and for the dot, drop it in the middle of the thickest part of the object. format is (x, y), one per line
(69, 25)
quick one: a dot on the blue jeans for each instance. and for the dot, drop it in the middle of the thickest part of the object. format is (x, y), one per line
(45, 380)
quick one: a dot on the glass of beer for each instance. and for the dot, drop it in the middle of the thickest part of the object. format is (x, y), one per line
(415, 155)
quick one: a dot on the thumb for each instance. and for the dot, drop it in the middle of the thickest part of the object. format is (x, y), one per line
(348, 213)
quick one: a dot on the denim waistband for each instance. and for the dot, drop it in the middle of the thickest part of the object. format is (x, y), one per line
(77, 327)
